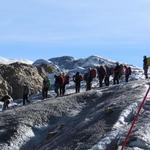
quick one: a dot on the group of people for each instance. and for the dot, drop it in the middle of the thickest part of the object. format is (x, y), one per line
(103, 74)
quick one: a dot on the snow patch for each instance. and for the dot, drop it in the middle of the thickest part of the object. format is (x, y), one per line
(119, 128)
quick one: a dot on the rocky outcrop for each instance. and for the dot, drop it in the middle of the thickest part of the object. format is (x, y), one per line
(46, 67)
(13, 77)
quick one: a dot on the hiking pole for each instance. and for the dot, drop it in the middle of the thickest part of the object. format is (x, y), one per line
(135, 119)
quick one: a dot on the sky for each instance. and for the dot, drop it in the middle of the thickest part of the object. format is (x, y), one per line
(114, 29)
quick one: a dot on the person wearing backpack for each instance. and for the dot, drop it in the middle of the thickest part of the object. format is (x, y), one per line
(56, 85)
(46, 87)
(101, 75)
(127, 73)
(77, 79)
(107, 76)
(116, 73)
(88, 79)
(66, 81)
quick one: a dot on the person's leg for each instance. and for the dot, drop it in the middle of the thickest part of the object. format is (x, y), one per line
(79, 88)
(87, 88)
(46, 93)
(24, 99)
(90, 85)
(114, 79)
(76, 88)
(127, 77)
(43, 93)
(145, 72)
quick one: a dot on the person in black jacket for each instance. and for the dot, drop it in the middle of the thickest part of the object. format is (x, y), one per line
(145, 67)
(88, 79)
(56, 85)
(107, 76)
(117, 72)
(77, 79)
(25, 94)
(101, 75)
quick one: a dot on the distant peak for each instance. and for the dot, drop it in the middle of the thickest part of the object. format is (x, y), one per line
(10, 61)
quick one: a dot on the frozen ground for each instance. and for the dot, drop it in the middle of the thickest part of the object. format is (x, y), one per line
(97, 120)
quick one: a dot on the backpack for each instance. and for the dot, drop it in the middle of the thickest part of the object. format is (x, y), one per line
(67, 79)
(101, 71)
(93, 73)
(85, 77)
(61, 80)
(77, 78)
(81, 78)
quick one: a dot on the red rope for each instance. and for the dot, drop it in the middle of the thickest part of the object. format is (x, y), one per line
(135, 119)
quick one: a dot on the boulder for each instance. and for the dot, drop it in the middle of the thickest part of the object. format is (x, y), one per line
(16, 74)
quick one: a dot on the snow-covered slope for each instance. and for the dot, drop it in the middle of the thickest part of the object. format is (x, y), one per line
(98, 120)
(68, 62)
(9, 61)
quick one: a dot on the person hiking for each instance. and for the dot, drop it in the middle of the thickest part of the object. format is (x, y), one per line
(25, 93)
(121, 70)
(46, 87)
(61, 84)
(116, 73)
(56, 85)
(88, 79)
(107, 76)
(6, 99)
(77, 79)
(66, 81)
(127, 72)
(101, 75)
(145, 67)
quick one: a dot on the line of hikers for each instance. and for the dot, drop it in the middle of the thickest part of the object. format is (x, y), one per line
(103, 74)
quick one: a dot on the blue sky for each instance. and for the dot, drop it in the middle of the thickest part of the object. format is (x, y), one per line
(32, 29)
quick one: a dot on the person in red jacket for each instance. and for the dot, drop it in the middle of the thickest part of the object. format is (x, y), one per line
(66, 81)
(61, 81)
